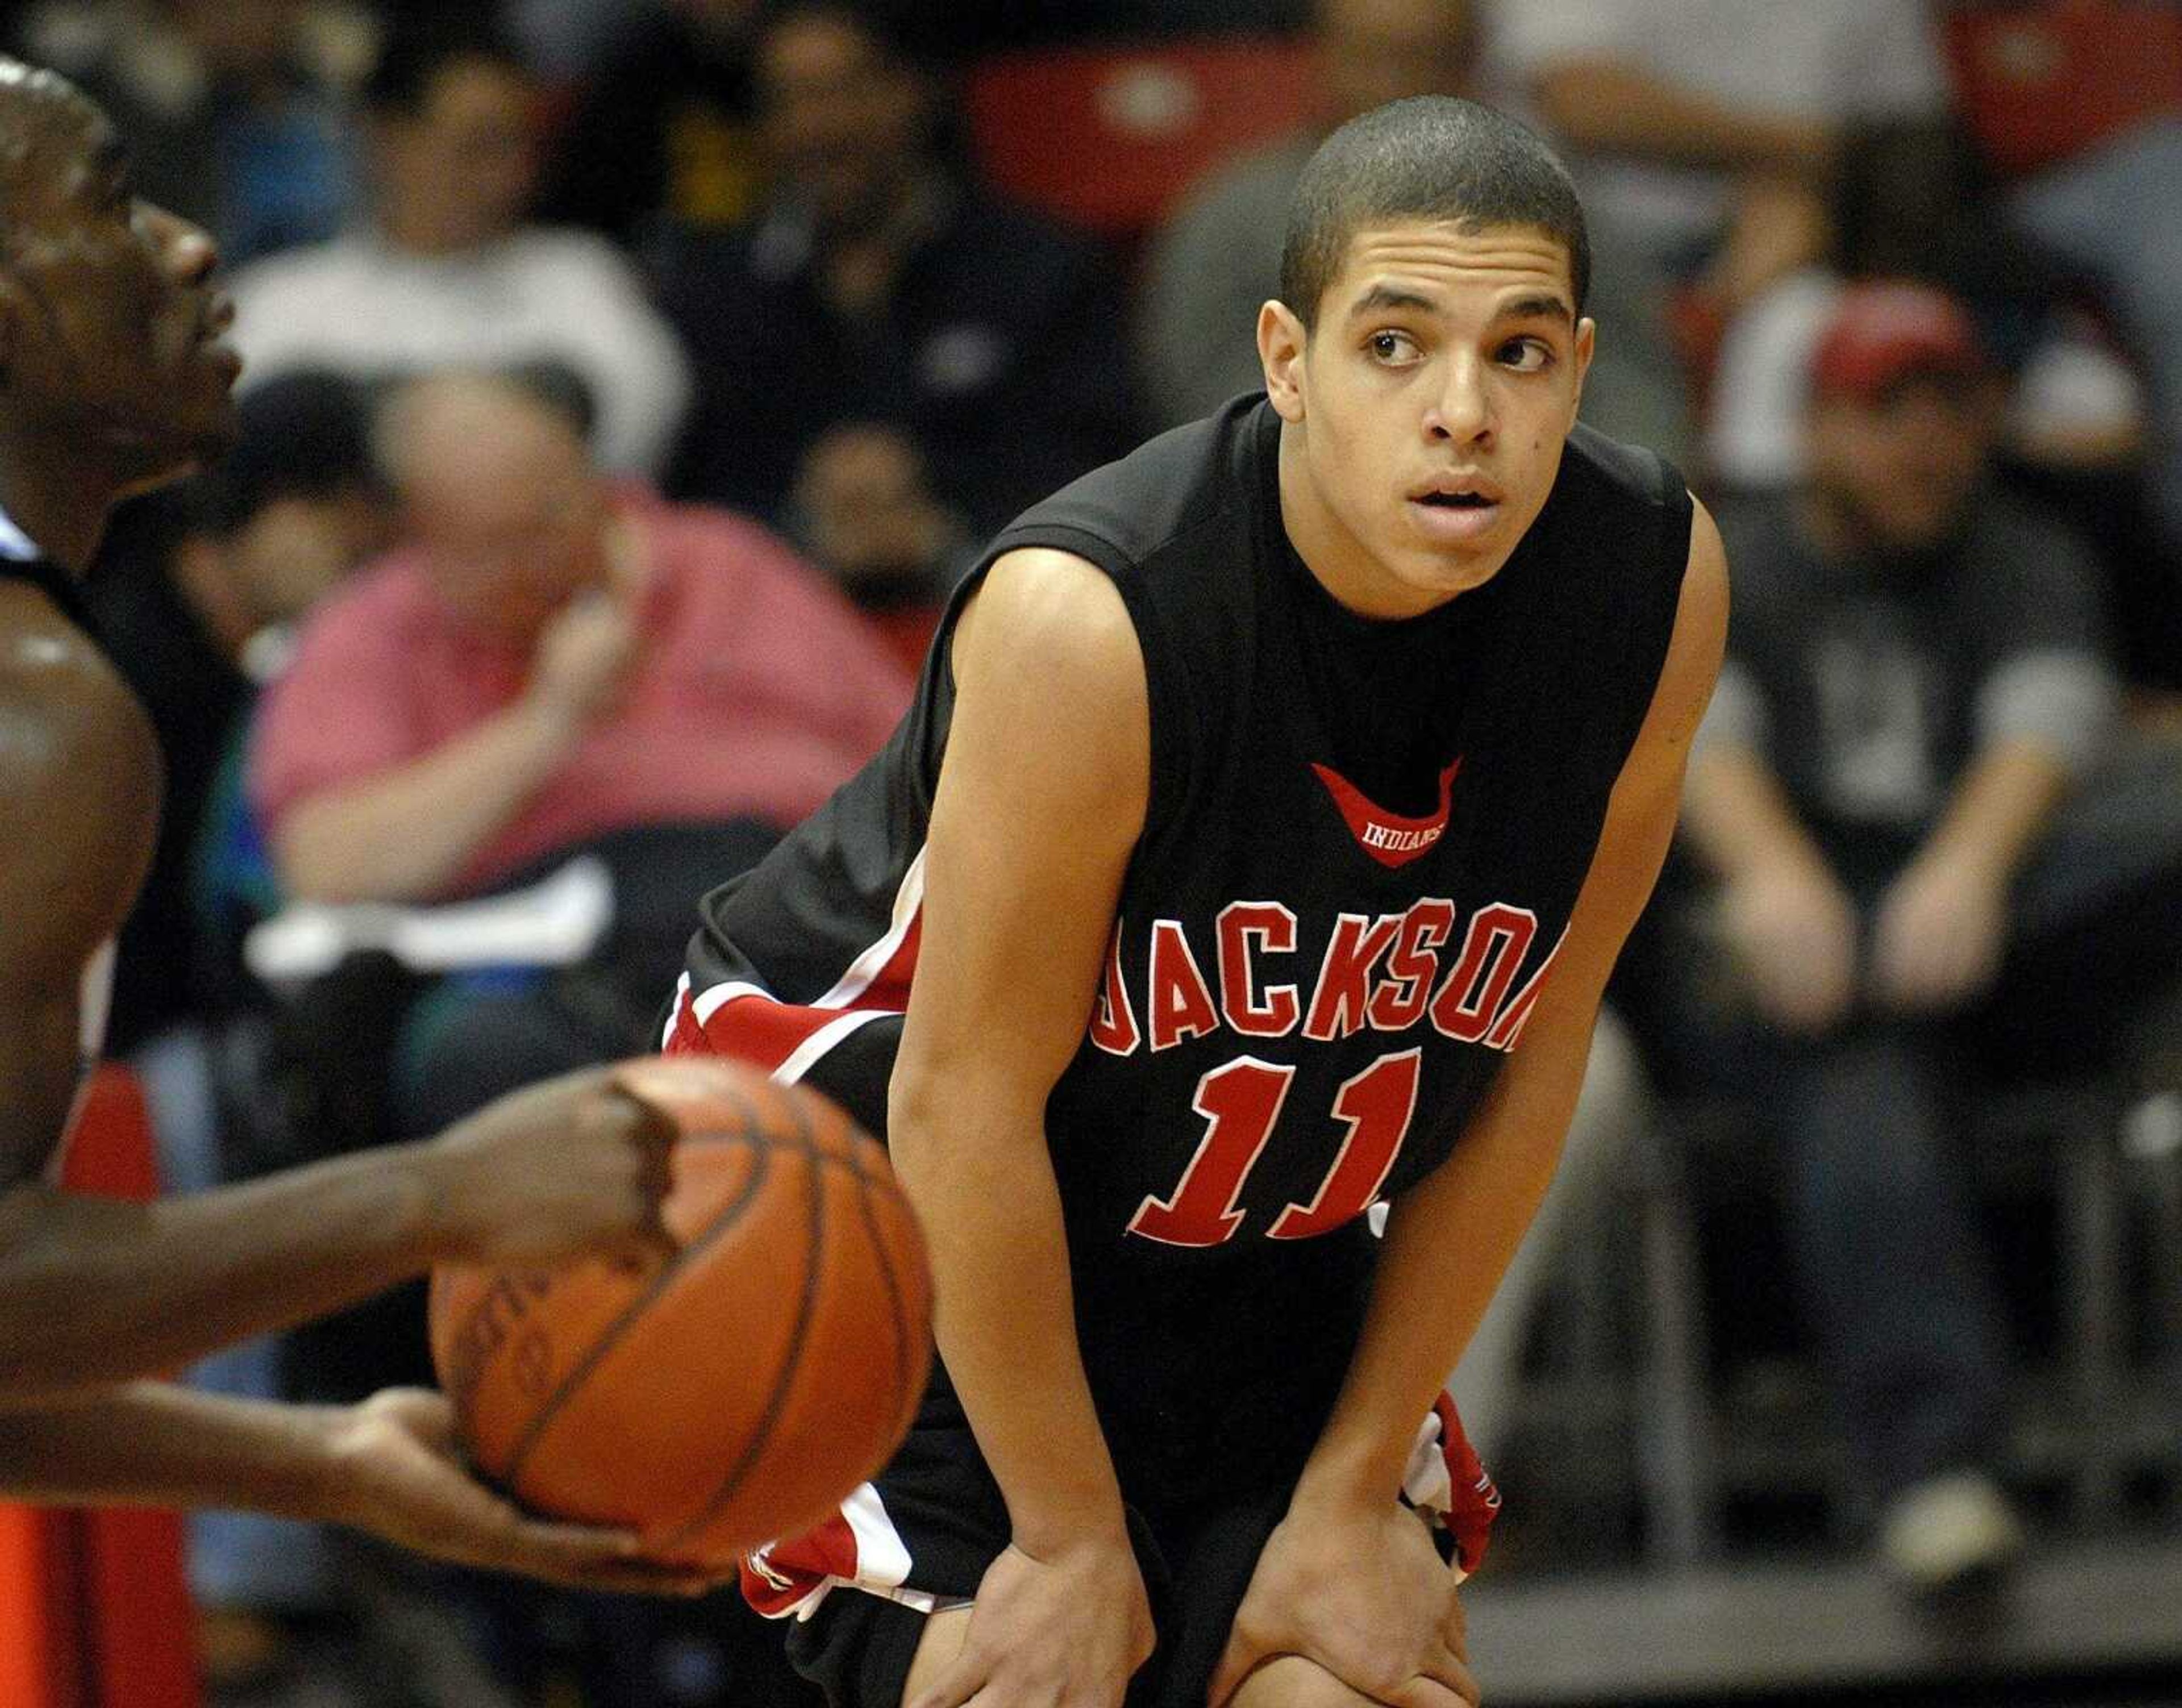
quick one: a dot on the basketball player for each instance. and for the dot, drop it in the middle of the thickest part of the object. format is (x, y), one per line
(113, 378)
(1275, 804)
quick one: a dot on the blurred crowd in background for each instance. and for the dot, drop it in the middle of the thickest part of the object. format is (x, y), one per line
(627, 382)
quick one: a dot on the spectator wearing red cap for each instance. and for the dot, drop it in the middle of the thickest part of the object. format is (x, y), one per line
(1916, 683)
(1884, 336)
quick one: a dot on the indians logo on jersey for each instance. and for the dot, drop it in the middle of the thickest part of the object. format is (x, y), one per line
(1384, 973)
(1388, 837)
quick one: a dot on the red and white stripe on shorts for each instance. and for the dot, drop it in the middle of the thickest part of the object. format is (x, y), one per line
(748, 1023)
(857, 1548)
(1447, 1482)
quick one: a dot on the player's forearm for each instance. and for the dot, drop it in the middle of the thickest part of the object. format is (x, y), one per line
(94, 1290)
(1004, 1314)
(1619, 109)
(153, 1445)
(406, 836)
(1449, 1240)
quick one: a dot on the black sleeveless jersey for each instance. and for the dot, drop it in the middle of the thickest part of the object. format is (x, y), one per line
(56, 584)
(1363, 843)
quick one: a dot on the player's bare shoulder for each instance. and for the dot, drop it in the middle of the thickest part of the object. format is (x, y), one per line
(80, 784)
(1048, 608)
(1047, 661)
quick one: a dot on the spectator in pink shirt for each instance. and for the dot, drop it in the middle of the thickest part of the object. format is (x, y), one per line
(550, 659)
(553, 663)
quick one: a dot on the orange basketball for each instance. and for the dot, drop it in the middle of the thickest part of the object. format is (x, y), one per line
(739, 1393)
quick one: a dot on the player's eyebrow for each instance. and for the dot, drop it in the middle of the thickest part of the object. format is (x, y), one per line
(1544, 306)
(1381, 297)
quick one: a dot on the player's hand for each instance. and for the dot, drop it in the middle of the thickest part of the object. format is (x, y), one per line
(1065, 1631)
(1793, 930)
(395, 1471)
(1939, 935)
(556, 1169)
(1365, 1596)
(585, 658)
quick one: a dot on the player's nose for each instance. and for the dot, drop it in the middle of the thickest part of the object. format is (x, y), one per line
(1462, 409)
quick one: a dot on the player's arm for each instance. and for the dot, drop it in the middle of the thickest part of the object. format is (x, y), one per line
(1340, 1579)
(80, 783)
(94, 1290)
(388, 1466)
(1040, 802)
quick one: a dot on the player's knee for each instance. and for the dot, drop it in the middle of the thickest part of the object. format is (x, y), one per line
(1292, 1682)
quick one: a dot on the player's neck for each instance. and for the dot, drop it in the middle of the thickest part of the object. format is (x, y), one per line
(55, 500)
(1336, 559)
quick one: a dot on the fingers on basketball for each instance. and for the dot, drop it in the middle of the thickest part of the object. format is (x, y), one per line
(737, 1391)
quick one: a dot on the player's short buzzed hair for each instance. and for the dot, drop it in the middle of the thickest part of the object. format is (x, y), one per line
(1429, 158)
(20, 85)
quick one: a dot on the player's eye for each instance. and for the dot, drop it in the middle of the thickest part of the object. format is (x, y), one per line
(1526, 355)
(1392, 348)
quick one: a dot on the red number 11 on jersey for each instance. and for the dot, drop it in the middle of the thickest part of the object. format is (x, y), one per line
(1240, 1103)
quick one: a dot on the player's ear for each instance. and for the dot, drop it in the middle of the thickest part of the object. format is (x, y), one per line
(1586, 346)
(1282, 342)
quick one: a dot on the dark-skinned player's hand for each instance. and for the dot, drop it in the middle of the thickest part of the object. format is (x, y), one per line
(570, 1166)
(1364, 1594)
(397, 1472)
(1065, 1631)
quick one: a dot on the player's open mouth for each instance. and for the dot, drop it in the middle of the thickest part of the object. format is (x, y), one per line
(1454, 508)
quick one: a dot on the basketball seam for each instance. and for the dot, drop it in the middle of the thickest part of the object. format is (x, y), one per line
(608, 1337)
(761, 1437)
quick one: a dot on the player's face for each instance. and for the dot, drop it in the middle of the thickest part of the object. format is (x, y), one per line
(112, 325)
(1426, 410)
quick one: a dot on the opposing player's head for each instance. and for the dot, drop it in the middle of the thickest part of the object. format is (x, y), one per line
(110, 327)
(1427, 349)
(498, 491)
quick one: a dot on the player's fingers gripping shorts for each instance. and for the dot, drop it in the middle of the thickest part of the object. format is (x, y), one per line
(919, 1537)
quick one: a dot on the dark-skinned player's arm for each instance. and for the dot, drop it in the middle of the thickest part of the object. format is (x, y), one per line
(94, 1291)
(1349, 1579)
(1041, 799)
(389, 1465)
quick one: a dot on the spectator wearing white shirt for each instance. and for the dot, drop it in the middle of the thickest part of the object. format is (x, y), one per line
(1702, 134)
(447, 272)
